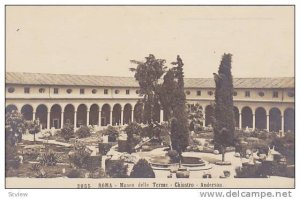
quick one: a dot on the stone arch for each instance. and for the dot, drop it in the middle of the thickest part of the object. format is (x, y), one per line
(105, 115)
(55, 116)
(27, 111)
(81, 115)
(247, 117)
(127, 114)
(94, 114)
(41, 114)
(11, 107)
(289, 120)
(275, 119)
(236, 116)
(260, 118)
(116, 114)
(209, 114)
(69, 113)
(138, 112)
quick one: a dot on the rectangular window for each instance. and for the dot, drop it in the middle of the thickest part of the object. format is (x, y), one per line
(127, 92)
(247, 93)
(275, 94)
(105, 91)
(82, 91)
(55, 91)
(198, 93)
(26, 90)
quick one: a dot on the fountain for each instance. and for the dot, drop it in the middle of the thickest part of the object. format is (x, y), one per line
(191, 163)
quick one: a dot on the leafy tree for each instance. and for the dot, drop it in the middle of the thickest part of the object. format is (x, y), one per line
(148, 74)
(224, 116)
(67, 131)
(142, 169)
(138, 112)
(133, 131)
(195, 114)
(33, 128)
(83, 132)
(14, 127)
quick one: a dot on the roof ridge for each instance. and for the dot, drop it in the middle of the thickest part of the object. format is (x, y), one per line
(133, 77)
(114, 81)
(69, 74)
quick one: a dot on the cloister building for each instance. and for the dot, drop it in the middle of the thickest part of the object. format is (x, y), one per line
(56, 99)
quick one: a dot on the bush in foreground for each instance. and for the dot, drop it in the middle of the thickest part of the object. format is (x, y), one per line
(116, 169)
(79, 155)
(142, 169)
(67, 132)
(49, 158)
(83, 132)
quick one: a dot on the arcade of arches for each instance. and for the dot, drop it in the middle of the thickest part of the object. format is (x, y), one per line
(273, 119)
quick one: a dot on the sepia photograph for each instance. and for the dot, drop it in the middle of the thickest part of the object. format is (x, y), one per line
(149, 96)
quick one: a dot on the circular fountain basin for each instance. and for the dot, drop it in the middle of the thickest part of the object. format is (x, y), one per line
(191, 163)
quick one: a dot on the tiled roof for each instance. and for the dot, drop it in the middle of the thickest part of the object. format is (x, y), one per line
(107, 81)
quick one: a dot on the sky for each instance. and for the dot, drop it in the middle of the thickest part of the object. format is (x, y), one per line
(101, 40)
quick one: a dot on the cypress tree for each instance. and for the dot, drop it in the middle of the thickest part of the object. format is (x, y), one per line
(179, 123)
(224, 115)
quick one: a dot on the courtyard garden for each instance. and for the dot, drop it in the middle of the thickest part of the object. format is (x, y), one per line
(182, 147)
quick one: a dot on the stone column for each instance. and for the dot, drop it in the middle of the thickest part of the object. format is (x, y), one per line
(161, 116)
(253, 122)
(282, 125)
(99, 119)
(204, 120)
(268, 123)
(132, 115)
(122, 117)
(75, 120)
(62, 120)
(110, 118)
(48, 120)
(33, 116)
(87, 118)
(240, 120)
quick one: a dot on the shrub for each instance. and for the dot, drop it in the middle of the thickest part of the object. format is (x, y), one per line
(249, 171)
(14, 127)
(142, 169)
(286, 146)
(133, 131)
(67, 132)
(38, 171)
(83, 132)
(49, 158)
(11, 158)
(99, 173)
(104, 148)
(134, 128)
(112, 133)
(79, 155)
(174, 155)
(74, 173)
(116, 169)
(147, 132)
